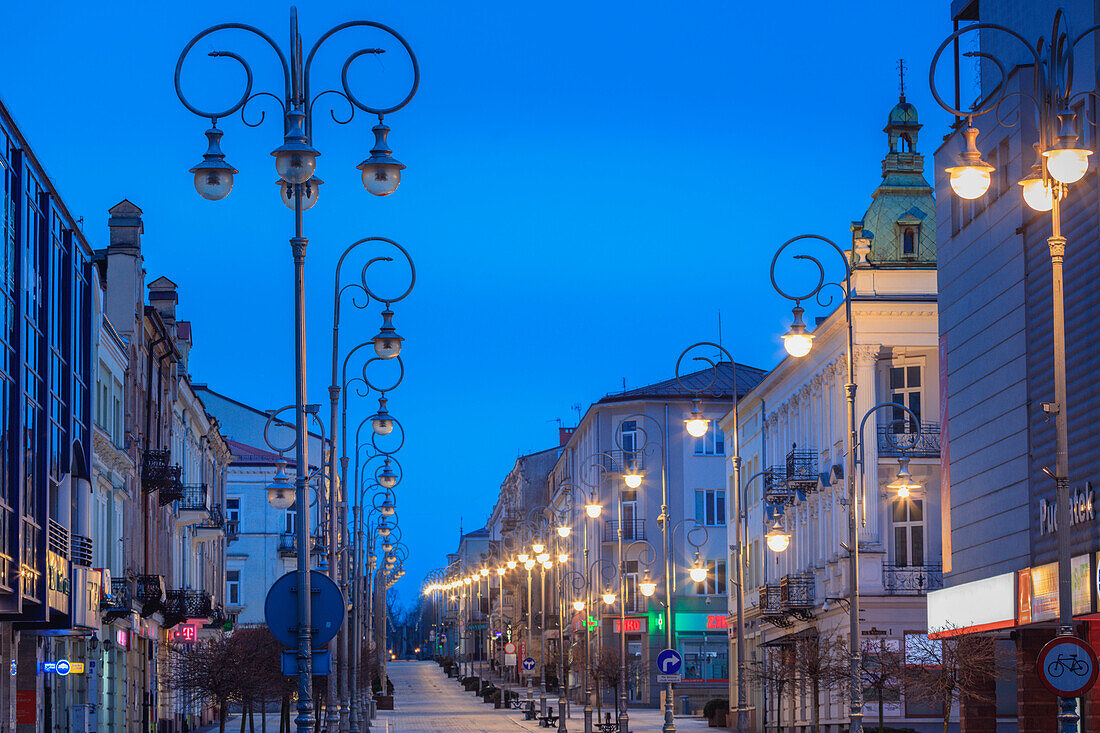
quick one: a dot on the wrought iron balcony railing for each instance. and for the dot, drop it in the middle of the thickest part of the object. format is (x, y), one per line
(797, 591)
(802, 470)
(911, 580)
(232, 530)
(927, 446)
(776, 491)
(771, 606)
(158, 475)
(633, 529)
(181, 604)
(194, 497)
(216, 520)
(117, 604)
(149, 591)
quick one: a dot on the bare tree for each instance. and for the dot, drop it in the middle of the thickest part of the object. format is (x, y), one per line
(776, 671)
(214, 672)
(882, 672)
(819, 663)
(946, 670)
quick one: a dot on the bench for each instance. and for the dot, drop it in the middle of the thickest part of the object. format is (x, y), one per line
(529, 713)
(549, 720)
(609, 727)
(515, 703)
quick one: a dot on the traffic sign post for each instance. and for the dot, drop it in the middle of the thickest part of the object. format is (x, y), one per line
(327, 614)
(669, 663)
(1067, 666)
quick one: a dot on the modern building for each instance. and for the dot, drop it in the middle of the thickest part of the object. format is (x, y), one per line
(793, 444)
(48, 587)
(643, 430)
(997, 372)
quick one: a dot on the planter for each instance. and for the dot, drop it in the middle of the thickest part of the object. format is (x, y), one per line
(384, 702)
(719, 719)
(497, 704)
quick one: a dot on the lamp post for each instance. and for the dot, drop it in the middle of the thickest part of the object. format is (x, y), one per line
(280, 497)
(1061, 161)
(295, 163)
(798, 343)
(381, 423)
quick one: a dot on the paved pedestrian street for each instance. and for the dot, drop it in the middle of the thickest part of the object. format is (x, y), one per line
(426, 700)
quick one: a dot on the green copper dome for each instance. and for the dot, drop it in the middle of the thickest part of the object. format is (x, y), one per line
(903, 114)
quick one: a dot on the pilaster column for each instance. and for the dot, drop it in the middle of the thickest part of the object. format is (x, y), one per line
(865, 356)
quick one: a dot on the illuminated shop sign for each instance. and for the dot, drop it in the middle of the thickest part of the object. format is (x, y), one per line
(634, 625)
(1080, 510)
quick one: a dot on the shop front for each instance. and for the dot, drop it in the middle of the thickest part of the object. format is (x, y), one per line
(703, 640)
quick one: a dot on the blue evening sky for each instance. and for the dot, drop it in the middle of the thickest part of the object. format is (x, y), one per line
(588, 185)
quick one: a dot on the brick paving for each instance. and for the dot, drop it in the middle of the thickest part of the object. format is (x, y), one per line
(428, 702)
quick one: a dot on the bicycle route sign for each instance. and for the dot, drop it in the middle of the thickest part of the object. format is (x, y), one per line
(1067, 666)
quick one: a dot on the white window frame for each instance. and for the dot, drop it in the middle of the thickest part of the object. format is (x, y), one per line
(231, 586)
(713, 505)
(713, 443)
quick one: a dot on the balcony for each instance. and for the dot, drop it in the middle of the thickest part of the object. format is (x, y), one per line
(927, 446)
(180, 605)
(212, 527)
(288, 545)
(157, 475)
(776, 491)
(117, 604)
(618, 460)
(796, 594)
(149, 592)
(191, 508)
(911, 580)
(81, 548)
(633, 529)
(232, 530)
(802, 470)
(57, 539)
(771, 606)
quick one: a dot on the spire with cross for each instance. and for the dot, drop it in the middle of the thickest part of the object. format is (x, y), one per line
(901, 79)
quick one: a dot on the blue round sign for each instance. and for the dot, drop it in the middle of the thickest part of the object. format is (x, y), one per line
(326, 609)
(669, 662)
(62, 666)
(528, 663)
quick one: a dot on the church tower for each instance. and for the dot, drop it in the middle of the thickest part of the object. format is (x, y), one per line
(899, 228)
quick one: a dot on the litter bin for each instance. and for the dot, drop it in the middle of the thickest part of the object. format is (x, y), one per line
(685, 705)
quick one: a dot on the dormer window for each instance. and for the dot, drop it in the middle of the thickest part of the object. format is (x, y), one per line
(909, 242)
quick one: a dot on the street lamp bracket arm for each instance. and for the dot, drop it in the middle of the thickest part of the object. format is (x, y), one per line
(263, 115)
(815, 291)
(240, 103)
(344, 72)
(400, 372)
(710, 362)
(890, 437)
(332, 110)
(641, 429)
(998, 96)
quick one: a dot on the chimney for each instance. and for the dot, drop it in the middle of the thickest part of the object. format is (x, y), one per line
(125, 278)
(163, 297)
(564, 434)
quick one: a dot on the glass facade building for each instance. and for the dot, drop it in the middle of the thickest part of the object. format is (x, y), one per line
(45, 363)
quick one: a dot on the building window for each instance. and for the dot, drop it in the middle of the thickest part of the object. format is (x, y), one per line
(233, 510)
(909, 242)
(905, 389)
(908, 532)
(711, 444)
(290, 521)
(710, 507)
(233, 587)
(628, 432)
(715, 584)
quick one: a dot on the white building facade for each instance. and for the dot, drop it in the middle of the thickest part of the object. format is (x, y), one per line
(793, 430)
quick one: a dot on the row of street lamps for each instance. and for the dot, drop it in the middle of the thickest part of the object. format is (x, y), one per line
(299, 187)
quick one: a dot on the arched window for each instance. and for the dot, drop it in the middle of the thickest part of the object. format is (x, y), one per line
(909, 242)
